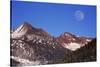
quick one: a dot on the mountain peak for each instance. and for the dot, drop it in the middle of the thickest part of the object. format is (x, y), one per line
(26, 25)
(22, 30)
(68, 34)
(71, 41)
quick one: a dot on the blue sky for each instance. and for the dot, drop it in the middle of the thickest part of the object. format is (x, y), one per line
(55, 18)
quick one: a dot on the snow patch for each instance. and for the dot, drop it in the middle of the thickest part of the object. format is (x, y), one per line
(88, 40)
(72, 46)
(19, 32)
(25, 61)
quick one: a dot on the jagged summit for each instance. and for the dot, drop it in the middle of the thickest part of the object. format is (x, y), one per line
(22, 30)
(71, 41)
(26, 24)
(26, 28)
(67, 34)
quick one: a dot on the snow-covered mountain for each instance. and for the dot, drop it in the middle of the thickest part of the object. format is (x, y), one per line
(72, 42)
(22, 30)
(34, 46)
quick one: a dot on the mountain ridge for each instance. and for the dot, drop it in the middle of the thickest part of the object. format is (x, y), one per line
(36, 45)
(67, 40)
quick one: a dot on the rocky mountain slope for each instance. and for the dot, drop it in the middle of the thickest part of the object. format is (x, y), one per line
(34, 46)
(72, 42)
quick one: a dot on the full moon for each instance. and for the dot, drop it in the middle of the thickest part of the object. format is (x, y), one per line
(79, 15)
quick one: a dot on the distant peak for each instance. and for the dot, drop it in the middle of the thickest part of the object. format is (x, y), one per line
(67, 34)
